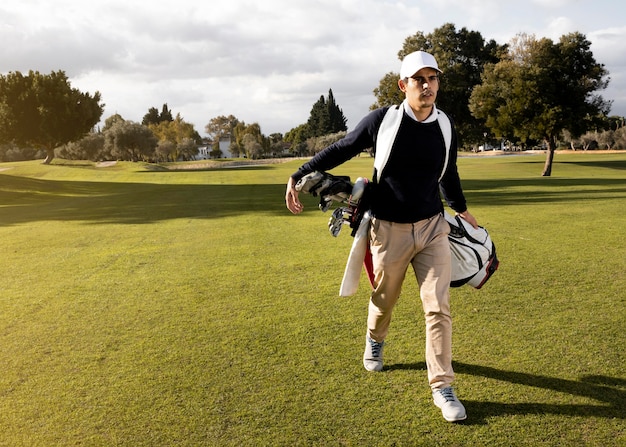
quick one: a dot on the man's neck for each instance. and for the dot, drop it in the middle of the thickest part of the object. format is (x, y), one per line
(423, 113)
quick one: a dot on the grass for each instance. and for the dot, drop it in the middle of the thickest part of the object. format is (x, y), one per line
(147, 307)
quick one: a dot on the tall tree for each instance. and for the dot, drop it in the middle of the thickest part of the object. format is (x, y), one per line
(541, 89)
(45, 111)
(461, 56)
(326, 117)
(154, 117)
(319, 121)
(336, 118)
(166, 114)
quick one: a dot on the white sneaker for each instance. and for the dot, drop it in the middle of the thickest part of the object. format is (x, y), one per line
(373, 356)
(451, 408)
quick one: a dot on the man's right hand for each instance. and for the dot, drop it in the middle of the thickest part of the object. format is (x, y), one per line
(291, 198)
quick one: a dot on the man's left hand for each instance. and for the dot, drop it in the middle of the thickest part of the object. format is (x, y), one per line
(467, 217)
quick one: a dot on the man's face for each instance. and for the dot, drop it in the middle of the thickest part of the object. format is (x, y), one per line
(421, 89)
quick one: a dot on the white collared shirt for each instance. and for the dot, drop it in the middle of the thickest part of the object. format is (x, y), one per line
(409, 111)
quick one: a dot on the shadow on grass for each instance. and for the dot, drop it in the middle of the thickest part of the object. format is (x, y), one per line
(29, 200)
(607, 390)
(198, 168)
(610, 164)
(541, 190)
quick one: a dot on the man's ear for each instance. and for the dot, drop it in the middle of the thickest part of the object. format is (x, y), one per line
(401, 85)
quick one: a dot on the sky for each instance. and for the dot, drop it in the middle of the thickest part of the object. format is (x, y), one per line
(269, 61)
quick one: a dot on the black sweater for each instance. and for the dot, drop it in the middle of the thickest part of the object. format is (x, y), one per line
(408, 189)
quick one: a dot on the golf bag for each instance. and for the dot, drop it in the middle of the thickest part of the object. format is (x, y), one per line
(473, 253)
(474, 257)
(340, 189)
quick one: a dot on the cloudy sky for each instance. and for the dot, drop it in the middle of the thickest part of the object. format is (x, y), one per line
(269, 61)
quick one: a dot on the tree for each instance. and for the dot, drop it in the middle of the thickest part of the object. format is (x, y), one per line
(278, 146)
(540, 89)
(175, 130)
(251, 146)
(244, 138)
(44, 110)
(251, 140)
(90, 147)
(326, 117)
(166, 114)
(620, 138)
(297, 137)
(127, 140)
(221, 127)
(216, 152)
(317, 144)
(387, 93)
(178, 132)
(154, 117)
(319, 120)
(606, 138)
(165, 151)
(10, 152)
(461, 55)
(111, 121)
(187, 148)
(336, 118)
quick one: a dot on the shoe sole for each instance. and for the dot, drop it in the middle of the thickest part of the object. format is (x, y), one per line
(451, 419)
(376, 368)
(456, 420)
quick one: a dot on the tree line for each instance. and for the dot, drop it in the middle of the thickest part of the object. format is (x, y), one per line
(528, 92)
(43, 116)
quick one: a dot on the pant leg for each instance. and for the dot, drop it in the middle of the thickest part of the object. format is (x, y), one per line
(432, 270)
(392, 248)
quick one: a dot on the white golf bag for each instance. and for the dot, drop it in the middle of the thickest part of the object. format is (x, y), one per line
(474, 257)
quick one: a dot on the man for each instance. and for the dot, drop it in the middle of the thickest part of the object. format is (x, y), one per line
(407, 225)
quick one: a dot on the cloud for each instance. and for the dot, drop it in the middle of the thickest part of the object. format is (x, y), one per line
(262, 61)
(559, 27)
(609, 48)
(553, 4)
(609, 45)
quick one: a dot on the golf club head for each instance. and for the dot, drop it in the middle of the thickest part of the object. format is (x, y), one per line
(336, 221)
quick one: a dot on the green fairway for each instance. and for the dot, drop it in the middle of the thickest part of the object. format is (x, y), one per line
(141, 306)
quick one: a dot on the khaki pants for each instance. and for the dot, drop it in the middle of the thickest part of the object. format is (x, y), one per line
(425, 246)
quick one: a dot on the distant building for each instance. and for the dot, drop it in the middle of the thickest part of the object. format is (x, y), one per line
(204, 151)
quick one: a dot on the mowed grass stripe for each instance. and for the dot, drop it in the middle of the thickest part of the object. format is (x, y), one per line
(141, 306)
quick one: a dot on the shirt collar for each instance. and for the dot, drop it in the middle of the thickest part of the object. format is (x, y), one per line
(409, 111)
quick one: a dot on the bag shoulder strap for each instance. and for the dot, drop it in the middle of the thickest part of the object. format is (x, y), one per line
(389, 129)
(386, 136)
(446, 130)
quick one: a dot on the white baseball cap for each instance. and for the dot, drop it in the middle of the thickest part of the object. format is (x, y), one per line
(414, 62)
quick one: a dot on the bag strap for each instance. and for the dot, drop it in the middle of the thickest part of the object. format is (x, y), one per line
(386, 136)
(389, 129)
(446, 130)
